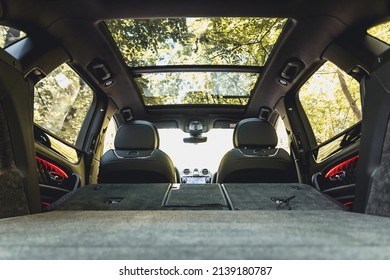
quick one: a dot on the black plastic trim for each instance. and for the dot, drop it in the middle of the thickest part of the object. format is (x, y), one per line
(195, 68)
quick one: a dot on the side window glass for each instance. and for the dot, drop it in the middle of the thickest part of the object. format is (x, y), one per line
(331, 101)
(8, 36)
(61, 102)
(381, 32)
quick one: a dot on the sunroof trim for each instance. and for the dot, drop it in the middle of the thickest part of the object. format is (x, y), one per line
(196, 68)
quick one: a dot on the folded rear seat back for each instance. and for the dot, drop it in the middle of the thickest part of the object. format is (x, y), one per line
(164, 196)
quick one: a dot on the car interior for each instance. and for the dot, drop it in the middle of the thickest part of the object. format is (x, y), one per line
(194, 129)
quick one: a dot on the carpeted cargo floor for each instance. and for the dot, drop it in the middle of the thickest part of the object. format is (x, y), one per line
(300, 234)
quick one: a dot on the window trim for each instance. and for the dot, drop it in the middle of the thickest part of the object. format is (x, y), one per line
(315, 150)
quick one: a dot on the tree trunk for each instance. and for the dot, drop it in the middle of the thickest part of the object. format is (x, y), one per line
(348, 95)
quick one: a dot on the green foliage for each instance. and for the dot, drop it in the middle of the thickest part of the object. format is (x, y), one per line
(244, 41)
(9, 35)
(172, 88)
(192, 41)
(326, 104)
(146, 39)
(381, 31)
(232, 41)
(61, 102)
(200, 97)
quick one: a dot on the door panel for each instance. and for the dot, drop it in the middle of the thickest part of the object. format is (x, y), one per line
(64, 105)
(329, 109)
(338, 179)
(58, 174)
(335, 174)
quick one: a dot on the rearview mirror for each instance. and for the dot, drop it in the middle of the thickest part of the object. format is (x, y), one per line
(195, 140)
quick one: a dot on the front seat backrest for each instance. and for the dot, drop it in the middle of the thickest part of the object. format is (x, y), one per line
(136, 157)
(255, 158)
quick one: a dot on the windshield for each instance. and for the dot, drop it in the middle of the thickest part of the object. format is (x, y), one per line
(201, 155)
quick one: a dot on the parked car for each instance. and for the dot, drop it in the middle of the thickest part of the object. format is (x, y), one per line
(194, 129)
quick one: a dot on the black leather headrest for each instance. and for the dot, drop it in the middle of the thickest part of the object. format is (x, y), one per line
(254, 133)
(137, 135)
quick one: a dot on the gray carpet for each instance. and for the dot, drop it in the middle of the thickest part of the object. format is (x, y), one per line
(263, 196)
(115, 197)
(195, 235)
(205, 196)
(379, 198)
(195, 197)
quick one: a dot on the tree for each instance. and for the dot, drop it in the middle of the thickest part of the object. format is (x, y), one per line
(196, 88)
(9, 35)
(351, 100)
(331, 100)
(231, 41)
(61, 102)
(146, 39)
(244, 41)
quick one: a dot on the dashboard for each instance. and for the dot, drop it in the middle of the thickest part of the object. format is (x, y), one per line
(196, 176)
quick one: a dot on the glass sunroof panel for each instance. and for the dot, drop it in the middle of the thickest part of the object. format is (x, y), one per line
(195, 41)
(196, 88)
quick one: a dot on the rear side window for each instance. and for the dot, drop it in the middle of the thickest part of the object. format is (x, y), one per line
(381, 32)
(61, 102)
(331, 101)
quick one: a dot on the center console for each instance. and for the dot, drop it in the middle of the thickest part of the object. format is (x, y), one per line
(195, 176)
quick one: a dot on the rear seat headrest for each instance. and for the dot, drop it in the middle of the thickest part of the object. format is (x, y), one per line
(254, 133)
(137, 135)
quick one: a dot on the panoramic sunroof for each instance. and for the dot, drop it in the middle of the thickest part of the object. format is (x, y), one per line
(195, 61)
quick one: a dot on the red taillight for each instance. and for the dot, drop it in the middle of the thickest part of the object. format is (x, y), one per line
(51, 167)
(348, 203)
(341, 167)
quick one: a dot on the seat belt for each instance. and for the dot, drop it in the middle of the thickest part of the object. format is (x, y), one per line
(297, 144)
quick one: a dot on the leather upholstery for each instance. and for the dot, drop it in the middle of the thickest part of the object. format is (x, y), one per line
(136, 157)
(255, 158)
(254, 133)
(146, 136)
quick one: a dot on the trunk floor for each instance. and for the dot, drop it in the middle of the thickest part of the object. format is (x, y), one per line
(300, 234)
